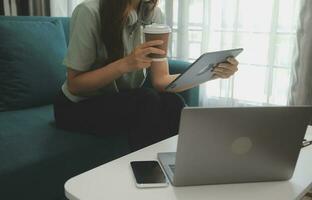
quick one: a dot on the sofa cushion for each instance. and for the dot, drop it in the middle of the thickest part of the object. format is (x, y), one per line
(64, 20)
(37, 158)
(31, 70)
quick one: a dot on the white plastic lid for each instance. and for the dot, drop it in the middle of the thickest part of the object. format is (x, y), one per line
(157, 29)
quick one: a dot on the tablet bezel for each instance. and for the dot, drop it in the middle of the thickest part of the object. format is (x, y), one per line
(169, 87)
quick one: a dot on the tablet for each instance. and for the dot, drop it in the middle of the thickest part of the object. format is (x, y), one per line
(201, 70)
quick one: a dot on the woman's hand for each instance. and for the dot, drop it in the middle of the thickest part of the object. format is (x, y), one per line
(139, 59)
(226, 70)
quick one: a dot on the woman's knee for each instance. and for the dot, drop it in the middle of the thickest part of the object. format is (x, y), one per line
(148, 95)
(173, 100)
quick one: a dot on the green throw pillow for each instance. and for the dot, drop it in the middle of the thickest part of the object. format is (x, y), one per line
(31, 70)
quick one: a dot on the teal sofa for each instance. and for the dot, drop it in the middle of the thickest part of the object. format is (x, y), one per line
(36, 158)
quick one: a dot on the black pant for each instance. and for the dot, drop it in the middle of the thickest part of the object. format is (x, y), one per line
(145, 115)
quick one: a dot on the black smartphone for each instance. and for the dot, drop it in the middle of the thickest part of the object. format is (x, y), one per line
(148, 174)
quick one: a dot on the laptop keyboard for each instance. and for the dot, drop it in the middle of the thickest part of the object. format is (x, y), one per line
(172, 167)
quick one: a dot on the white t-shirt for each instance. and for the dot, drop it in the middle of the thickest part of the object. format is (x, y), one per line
(87, 52)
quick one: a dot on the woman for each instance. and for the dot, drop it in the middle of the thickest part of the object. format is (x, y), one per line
(106, 67)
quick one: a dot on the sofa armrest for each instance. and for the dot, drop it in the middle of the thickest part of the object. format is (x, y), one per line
(190, 96)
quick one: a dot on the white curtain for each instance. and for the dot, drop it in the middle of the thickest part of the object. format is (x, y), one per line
(266, 29)
(63, 8)
(301, 93)
(9, 8)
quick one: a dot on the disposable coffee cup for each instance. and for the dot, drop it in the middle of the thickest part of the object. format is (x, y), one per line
(158, 32)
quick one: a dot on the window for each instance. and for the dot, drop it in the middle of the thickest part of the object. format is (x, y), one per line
(265, 29)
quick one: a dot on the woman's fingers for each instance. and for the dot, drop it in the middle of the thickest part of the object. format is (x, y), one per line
(149, 47)
(153, 50)
(223, 72)
(232, 61)
(226, 70)
(227, 67)
(151, 44)
(139, 59)
(222, 75)
(215, 76)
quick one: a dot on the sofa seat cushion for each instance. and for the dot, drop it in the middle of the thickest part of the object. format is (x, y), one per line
(37, 158)
(31, 70)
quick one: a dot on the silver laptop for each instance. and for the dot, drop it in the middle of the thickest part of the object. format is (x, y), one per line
(236, 145)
